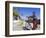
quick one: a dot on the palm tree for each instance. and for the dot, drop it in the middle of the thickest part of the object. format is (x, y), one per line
(15, 13)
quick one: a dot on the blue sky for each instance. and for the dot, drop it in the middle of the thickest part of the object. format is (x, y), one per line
(24, 11)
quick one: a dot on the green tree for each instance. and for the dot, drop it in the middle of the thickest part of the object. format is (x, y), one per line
(15, 13)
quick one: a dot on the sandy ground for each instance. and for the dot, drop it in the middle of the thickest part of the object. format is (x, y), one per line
(17, 26)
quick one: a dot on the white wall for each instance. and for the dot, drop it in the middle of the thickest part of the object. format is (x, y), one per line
(2, 19)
